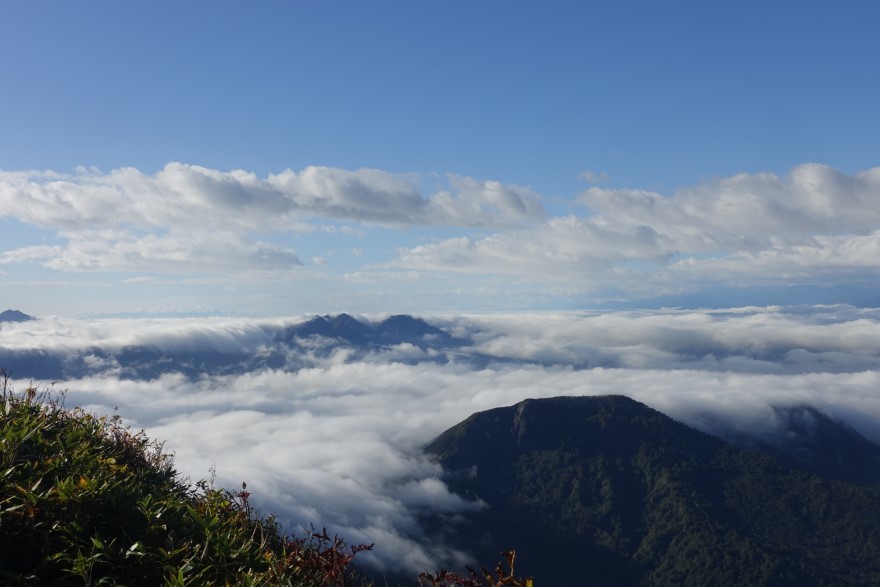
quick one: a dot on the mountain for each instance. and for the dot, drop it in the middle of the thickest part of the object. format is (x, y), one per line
(394, 330)
(341, 326)
(402, 328)
(811, 440)
(607, 491)
(290, 348)
(14, 316)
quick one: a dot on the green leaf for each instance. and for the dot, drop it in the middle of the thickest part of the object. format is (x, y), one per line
(195, 515)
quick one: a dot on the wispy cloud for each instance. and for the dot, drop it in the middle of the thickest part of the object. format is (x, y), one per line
(594, 176)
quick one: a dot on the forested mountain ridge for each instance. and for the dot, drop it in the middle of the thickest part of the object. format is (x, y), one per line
(607, 491)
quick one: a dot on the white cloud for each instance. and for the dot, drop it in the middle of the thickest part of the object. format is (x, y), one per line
(145, 280)
(386, 276)
(476, 201)
(594, 176)
(192, 218)
(750, 209)
(179, 195)
(31, 253)
(179, 251)
(815, 224)
(564, 248)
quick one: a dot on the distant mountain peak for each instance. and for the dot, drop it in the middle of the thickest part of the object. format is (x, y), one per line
(347, 321)
(405, 328)
(14, 316)
(397, 329)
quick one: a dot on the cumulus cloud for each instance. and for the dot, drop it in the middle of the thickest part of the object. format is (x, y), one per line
(563, 247)
(813, 225)
(188, 217)
(332, 436)
(179, 194)
(473, 200)
(749, 211)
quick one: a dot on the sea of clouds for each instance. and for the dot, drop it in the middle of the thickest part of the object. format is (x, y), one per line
(332, 435)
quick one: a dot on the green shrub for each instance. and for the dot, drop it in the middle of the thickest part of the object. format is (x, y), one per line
(86, 501)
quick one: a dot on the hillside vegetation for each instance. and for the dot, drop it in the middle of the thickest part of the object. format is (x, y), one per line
(86, 501)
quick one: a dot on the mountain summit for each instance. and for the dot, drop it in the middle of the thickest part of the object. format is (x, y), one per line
(608, 491)
(393, 330)
(341, 326)
(14, 316)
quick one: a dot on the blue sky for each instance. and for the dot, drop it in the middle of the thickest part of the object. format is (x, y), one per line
(291, 157)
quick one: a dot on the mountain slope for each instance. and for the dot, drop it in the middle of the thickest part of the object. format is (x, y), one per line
(811, 440)
(607, 491)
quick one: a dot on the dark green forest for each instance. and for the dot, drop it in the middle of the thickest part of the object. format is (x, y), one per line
(607, 491)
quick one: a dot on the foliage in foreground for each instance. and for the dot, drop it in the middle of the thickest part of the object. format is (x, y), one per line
(86, 501)
(482, 578)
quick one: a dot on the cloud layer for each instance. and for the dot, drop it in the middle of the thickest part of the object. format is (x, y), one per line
(816, 227)
(332, 435)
